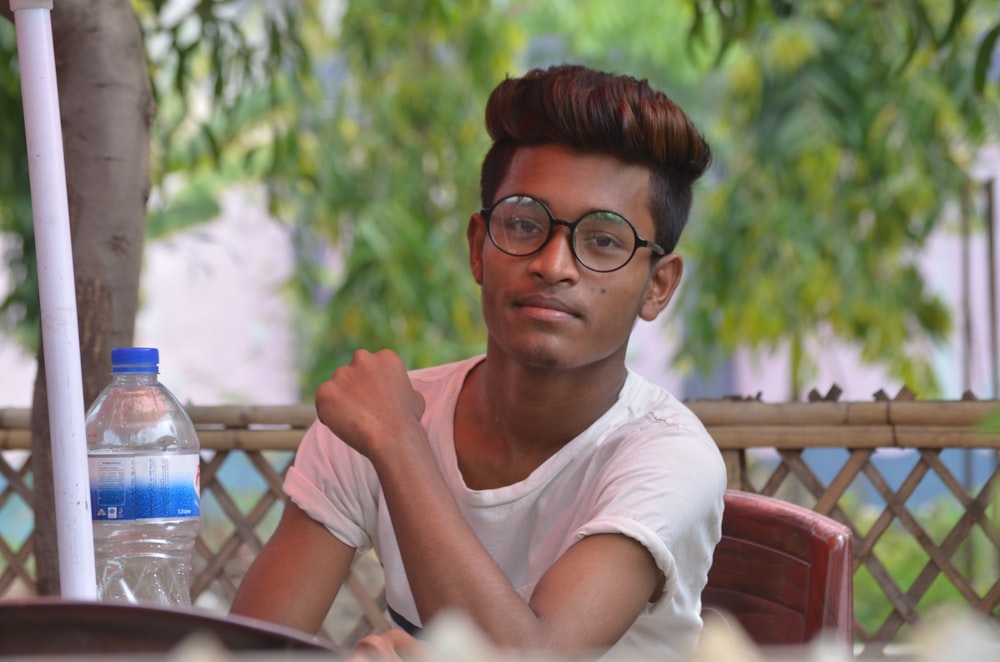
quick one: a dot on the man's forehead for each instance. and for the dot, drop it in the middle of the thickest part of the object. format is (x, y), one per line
(573, 183)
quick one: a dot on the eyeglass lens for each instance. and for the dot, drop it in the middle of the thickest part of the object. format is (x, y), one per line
(602, 241)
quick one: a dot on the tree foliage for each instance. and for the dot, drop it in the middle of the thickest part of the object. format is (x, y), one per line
(843, 130)
(390, 170)
(19, 308)
(849, 130)
(366, 129)
(228, 76)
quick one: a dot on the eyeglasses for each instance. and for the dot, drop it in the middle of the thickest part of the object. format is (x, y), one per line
(602, 241)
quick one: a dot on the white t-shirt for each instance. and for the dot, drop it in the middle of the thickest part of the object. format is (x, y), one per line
(647, 468)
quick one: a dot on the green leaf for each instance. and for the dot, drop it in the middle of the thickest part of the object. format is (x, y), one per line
(984, 58)
(195, 204)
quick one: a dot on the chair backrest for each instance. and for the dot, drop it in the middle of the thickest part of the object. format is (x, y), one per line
(784, 572)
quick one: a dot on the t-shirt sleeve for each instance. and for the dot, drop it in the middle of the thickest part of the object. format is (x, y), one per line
(667, 494)
(335, 485)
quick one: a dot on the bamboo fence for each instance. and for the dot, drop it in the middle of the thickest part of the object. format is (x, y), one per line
(767, 447)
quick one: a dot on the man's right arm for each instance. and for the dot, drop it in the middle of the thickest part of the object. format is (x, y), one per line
(297, 574)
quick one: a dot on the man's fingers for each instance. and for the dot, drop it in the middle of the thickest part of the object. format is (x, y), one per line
(394, 644)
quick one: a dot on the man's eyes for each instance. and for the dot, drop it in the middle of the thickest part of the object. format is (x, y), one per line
(524, 225)
(602, 240)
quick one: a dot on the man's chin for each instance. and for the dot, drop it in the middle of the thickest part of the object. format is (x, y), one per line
(541, 357)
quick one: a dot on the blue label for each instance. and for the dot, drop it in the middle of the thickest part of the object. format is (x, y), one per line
(144, 486)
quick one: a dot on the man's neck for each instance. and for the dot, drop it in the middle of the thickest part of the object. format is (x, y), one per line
(511, 418)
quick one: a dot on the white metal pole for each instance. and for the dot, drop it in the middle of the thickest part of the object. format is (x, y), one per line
(60, 335)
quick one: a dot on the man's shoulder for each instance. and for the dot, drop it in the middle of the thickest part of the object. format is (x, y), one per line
(652, 409)
(643, 396)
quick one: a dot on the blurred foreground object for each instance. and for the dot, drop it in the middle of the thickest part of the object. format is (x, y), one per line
(52, 627)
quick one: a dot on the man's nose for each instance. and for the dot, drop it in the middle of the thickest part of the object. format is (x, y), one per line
(555, 261)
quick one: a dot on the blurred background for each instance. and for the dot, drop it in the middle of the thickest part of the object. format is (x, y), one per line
(292, 181)
(313, 165)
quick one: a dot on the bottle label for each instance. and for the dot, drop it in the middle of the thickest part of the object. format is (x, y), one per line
(127, 487)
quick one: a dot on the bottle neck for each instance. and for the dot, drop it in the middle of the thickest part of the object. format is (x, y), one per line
(134, 377)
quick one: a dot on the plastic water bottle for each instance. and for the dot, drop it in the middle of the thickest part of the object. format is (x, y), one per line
(144, 485)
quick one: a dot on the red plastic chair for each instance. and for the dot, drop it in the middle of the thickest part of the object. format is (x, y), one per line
(783, 572)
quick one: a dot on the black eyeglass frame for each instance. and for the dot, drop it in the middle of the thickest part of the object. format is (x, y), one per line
(487, 213)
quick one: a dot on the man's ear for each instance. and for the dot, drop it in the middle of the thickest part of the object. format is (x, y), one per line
(476, 234)
(663, 282)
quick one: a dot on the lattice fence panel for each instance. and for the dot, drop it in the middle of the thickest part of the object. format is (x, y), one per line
(975, 512)
(16, 525)
(768, 449)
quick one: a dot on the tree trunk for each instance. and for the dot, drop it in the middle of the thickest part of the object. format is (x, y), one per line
(107, 108)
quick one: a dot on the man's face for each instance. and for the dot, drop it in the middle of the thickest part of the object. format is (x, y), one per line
(546, 309)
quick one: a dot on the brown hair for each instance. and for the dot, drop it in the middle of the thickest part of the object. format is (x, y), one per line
(597, 112)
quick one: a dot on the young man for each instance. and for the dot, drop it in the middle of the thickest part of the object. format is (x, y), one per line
(561, 501)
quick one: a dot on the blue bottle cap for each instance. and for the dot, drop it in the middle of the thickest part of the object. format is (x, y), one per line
(135, 359)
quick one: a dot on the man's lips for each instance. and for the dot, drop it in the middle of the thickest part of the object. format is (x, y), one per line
(556, 306)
